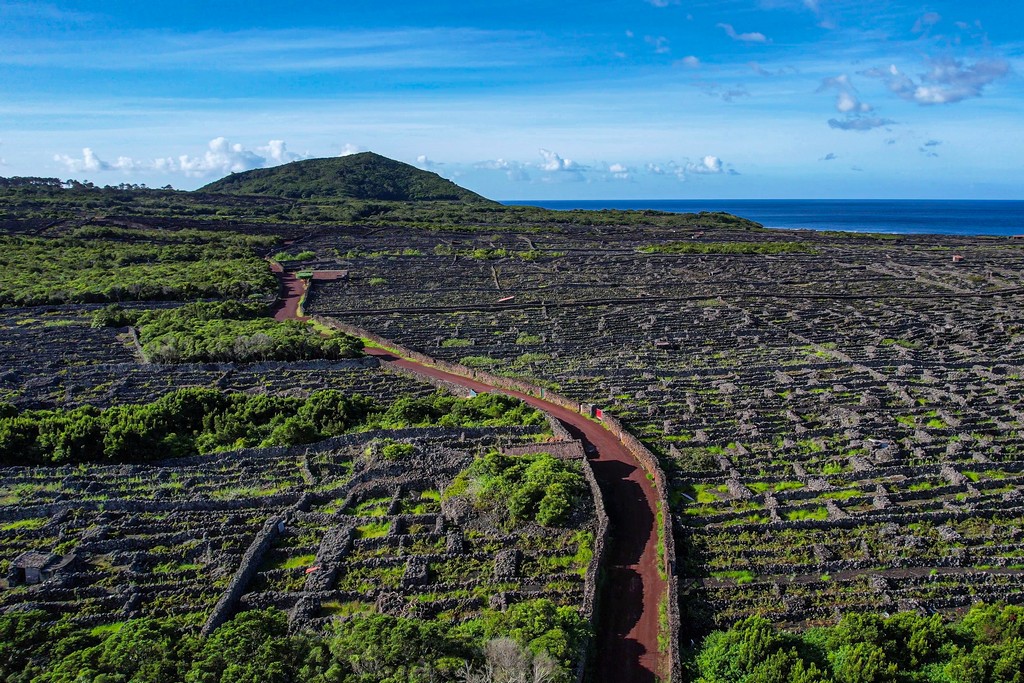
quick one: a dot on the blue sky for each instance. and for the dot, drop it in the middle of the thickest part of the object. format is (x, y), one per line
(624, 99)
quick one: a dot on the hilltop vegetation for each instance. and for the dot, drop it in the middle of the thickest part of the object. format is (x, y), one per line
(356, 176)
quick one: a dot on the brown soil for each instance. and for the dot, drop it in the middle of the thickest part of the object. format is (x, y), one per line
(291, 290)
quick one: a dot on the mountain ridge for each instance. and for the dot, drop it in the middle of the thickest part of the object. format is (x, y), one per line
(365, 176)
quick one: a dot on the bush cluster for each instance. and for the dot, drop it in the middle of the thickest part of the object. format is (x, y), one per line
(986, 646)
(196, 421)
(531, 488)
(227, 331)
(255, 647)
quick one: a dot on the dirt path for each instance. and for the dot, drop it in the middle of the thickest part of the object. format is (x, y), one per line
(627, 638)
(291, 290)
(627, 631)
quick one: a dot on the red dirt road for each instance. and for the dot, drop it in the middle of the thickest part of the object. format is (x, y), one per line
(627, 637)
(292, 289)
(627, 619)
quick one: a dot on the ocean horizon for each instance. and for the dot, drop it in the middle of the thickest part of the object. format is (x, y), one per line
(903, 216)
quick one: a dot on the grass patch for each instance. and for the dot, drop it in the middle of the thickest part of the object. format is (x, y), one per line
(373, 530)
(24, 524)
(739, 576)
(819, 514)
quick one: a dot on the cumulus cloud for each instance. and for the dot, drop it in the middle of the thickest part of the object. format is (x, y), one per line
(221, 157)
(754, 37)
(619, 171)
(350, 149)
(426, 163)
(859, 123)
(709, 165)
(89, 161)
(554, 163)
(947, 81)
(690, 62)
(277, 151)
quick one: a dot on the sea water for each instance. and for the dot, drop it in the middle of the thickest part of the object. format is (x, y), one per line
(950, 217)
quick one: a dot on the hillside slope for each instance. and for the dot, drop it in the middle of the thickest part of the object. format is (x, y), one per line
(356, 176)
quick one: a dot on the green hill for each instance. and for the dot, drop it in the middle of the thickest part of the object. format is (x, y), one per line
(356, 176)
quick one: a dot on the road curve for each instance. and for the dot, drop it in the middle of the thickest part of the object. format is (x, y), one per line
(627, 619)
(627, 634)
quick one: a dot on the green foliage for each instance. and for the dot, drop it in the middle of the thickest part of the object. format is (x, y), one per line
(397, 451)
(445, 410)
(181, 423)
(35, 271)
(540, 625)
(301, 256)
(255, 647)
(728, 248)
(231, 331)
(528, 488)
(986, 646)
(193, 420)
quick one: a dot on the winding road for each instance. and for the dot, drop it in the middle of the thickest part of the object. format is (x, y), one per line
(627, 619)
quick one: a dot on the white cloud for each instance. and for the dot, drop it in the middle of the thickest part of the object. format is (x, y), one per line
(425, 162)
(220, 158)
(690, 62)
(553, 163)
(948, 80)
(277, 151)
(754, 37)
(91, 162)
(662, 3)
(349, 149)
(709, 165)
(619, 171)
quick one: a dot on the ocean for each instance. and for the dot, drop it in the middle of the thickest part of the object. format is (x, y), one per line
(946, 217)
